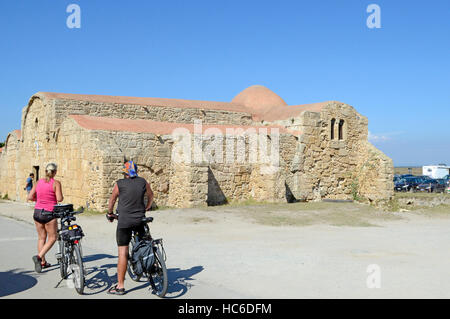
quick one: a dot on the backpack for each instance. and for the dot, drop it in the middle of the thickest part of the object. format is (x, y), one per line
(143, 257)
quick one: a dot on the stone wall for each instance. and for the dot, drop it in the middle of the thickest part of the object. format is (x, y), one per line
(312, 165)
(9, 183)
(62, 108)
(326, 168)
(374, 175)
(150, 152)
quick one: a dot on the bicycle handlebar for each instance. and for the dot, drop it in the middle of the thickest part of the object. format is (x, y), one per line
(111, 217)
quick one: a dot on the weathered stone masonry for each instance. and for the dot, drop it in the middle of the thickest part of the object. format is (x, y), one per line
(323, 149)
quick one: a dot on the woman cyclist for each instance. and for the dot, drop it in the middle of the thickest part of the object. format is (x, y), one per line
(46, 193)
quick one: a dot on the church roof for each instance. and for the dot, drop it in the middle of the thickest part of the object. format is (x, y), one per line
(257, 100)
(147, 101)
(18, 133)
(160, 128)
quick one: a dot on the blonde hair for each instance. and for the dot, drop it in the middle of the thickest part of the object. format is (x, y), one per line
(50, 171)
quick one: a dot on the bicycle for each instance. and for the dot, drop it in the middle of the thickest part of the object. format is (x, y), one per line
(158, 274)
(69, 255)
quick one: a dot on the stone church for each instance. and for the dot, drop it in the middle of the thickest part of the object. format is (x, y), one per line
(322, 149)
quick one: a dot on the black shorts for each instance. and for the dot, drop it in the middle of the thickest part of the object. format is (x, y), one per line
(123, 235)
(37, 216)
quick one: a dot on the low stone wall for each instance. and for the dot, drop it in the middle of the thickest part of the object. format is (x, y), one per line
(420, 201)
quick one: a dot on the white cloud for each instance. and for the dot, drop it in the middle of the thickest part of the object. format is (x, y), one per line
(378, 137)
(383, 137)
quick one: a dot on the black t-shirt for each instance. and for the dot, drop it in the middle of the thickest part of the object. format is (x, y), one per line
(131, 205)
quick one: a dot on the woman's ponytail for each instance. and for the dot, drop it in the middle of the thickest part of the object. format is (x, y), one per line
(50, 171)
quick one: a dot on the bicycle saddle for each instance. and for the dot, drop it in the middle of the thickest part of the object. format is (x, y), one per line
(147, 219)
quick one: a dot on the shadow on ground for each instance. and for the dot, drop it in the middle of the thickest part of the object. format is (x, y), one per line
(179, 280)
(97, 278)
(15, 281)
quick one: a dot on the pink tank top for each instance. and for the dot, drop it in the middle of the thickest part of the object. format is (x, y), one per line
(46, 197)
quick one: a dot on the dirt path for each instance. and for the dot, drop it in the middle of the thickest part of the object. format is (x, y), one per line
(297, 251)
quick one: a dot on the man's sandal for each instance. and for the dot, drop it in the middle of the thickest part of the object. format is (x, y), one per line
(115, 291)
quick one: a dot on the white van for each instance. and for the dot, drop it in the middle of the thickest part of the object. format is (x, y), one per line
(436, 171)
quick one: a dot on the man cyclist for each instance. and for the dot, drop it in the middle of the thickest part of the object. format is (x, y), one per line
(131, 192)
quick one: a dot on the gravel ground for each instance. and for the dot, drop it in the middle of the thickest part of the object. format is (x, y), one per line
(289, 251)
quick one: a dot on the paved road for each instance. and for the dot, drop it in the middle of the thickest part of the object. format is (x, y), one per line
(217, 254)
(19, 280)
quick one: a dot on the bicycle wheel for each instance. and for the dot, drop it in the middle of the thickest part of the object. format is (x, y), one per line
(62, 259)
(130, 271)
(159, 275)
(77, 269)
(81, 248)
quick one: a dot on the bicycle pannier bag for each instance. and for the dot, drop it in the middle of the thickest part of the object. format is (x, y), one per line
(143, 257)
(73, 232)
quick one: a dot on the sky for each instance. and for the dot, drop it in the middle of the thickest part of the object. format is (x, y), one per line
(397, 75)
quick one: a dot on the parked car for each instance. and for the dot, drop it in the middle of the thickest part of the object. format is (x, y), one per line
(407, 184)
(433, 186)
(424, 178)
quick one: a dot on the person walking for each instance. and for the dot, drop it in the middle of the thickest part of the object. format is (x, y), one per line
(46, 193)
(29, 185)
(131, 192)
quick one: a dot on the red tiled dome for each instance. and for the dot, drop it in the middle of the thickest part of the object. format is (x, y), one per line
(259, 99)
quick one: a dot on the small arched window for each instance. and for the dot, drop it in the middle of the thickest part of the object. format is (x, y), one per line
(341, 129)
(333, 121)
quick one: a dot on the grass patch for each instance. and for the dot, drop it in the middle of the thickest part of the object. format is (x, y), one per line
(197, 220)
(304, 214)
(247, 202)
(441, 211)
(92, 212)
(161, 208)
(421, 195)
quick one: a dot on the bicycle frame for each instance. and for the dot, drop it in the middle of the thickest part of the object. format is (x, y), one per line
(158, 269)
(70, 252)
(67, 245)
